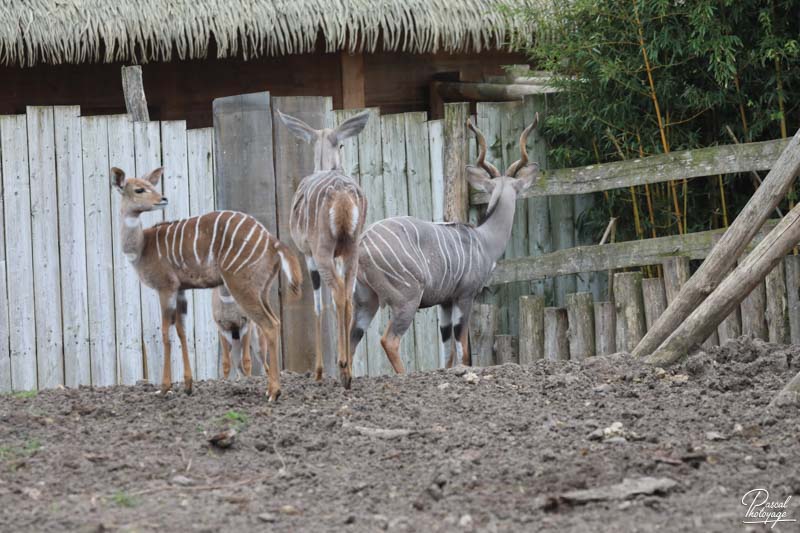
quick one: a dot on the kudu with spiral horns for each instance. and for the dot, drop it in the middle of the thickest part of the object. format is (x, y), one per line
(410, 264)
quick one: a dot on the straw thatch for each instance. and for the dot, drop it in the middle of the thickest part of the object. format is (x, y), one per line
(77, 31)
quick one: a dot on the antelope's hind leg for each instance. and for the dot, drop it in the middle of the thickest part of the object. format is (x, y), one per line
(316, 284)
(401, 320)
(180, 315)
(365, 305)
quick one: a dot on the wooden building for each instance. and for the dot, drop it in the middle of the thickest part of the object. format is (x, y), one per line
(383, 53)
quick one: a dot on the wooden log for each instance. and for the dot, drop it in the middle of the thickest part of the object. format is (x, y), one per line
(487, 92)
(133, 90)
(147, 156)
(127, 287)
(482, 327)
(630, 320)
(608, 256)
(420, 205)
(754, 309)
(605, 334)
(456, 190)
(777, 316)
(505, 349)
(44, 233)
(655, 299)
(723, 256)
(531, 328)
(244, 162)
(727, 159)
(580, 316)
(792, 267)
(556, 343)
(733, 289)
(19, 250)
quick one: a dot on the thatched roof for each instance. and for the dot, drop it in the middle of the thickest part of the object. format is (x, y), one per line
(77, 31)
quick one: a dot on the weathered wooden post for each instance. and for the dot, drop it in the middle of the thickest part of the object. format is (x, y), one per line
(556, 345)
(605, 338)
(730, 247)
(777, 319)
(676, 274)
(754, 319)
(630, 310)
(482, 326)
(531, 328)
(133, 90)
(733, 289)
(505, 349)
(456, 190)
(580, 316)
(655, 299)
(792, 267)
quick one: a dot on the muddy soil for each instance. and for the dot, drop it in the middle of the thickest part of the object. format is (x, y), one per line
(508, 448)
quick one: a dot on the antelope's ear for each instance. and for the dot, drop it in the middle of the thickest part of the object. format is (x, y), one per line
(526, 176)
(352, 126)
(299, 129)
(117, 178)
(155, 176)
(479, 179)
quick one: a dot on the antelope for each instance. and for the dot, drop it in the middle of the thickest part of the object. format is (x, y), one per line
(410, 264)
(220, 247)
(328, 214)
(235, 330)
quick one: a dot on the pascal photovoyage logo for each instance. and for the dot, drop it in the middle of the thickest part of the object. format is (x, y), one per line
(762, 510)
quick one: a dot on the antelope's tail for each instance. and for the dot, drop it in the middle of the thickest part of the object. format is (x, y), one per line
(344, 215)
(291, 268)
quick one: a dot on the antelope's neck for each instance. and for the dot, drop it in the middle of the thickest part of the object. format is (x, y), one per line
(132, 236)
(495, 231)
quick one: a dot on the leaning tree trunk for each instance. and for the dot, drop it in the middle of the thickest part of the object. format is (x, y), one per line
(730, 293)
(727, 250)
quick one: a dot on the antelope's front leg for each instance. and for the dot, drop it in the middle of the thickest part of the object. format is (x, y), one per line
(247, 362)
(180, 315)
(168, 303)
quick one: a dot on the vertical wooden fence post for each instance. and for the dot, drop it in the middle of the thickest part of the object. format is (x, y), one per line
(505, 349)
(531, 328)
(777, 319)
(792, 267)
(605, 334)
(630, 319)
(556, 344)
(581, 325)
(482, 327)
(655, 299)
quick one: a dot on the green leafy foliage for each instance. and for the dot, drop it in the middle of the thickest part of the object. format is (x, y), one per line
(714, 65)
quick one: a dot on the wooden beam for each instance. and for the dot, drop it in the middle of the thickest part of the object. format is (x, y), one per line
(353, 93)
(456, 191)
(133, 89)
(726, 159)
(487, 92)
(608, 256)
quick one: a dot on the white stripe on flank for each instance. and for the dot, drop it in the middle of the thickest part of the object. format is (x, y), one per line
(242, 247)
(375, 263)
(180, 246)
(444, 256)
(158, 244)
(213, 237)
(399, 240)
(287, 271)
(224, 234)
(166, 243)
(233, 240)
(174, 241)
(387, 263)
(255, 247)
(196, 233)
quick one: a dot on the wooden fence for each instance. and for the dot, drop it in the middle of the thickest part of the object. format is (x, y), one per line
(72, 311)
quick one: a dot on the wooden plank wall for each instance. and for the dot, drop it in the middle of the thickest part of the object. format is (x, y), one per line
(72, 310)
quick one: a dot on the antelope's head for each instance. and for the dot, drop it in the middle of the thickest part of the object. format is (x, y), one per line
(326, 141)
(139, 194)
(507, 186)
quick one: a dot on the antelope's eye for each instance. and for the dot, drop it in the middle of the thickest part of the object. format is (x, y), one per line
(139, 191)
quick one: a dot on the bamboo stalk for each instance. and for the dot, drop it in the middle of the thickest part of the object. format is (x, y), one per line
(654, 97)
(634, 202)
(722, 201)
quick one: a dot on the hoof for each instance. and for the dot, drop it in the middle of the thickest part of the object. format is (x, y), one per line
(166, 389)
(318, 376)
(187, 388)
(273, 396)
(346, 382)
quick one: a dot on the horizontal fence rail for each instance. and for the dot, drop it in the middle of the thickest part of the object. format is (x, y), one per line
(726, 159)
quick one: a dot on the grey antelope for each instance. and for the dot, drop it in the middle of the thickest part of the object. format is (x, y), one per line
(409, 264)
(328, 214)
(221, 247)
(235, 330)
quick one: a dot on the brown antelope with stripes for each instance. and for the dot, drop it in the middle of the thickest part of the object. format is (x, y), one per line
(235, 330)
(328, 214)
(220, 247)
(410, 264)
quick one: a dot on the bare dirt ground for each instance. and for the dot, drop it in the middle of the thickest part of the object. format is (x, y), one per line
(508, 449)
